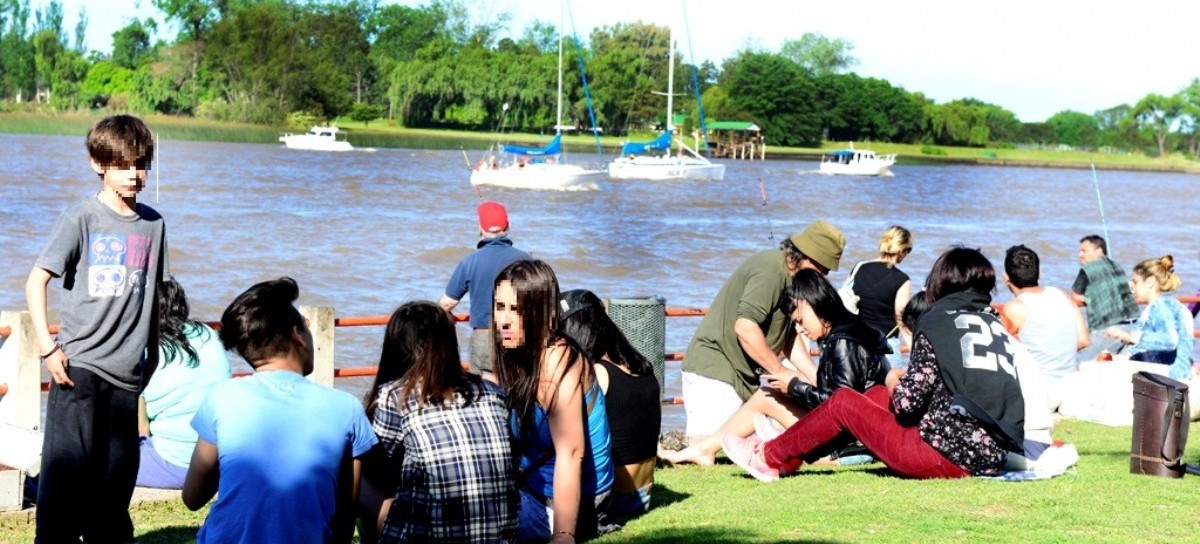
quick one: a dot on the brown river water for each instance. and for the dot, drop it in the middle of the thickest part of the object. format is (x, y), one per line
(366, 231)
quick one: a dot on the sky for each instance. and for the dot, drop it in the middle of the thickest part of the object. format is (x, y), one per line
(1032, 57)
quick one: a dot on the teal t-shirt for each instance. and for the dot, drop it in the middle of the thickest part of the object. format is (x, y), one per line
(280, 442)
(176, 391)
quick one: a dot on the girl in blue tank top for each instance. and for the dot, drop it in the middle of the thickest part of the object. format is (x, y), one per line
(558, 412)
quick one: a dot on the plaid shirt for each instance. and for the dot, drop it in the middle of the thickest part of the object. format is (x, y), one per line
(454, 467)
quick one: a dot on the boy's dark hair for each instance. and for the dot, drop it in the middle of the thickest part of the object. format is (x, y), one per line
(917, 305)
(1096, 240)
(1021, 264)
(959, 269)
(258, 324)
(121, 141)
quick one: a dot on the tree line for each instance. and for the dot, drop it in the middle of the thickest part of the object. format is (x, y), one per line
(298, 62)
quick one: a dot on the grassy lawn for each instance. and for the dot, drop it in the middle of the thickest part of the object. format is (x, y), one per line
(1101, 503)
(384, 134)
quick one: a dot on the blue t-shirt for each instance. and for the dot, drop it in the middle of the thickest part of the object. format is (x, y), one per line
(280, 442)
(476, 275)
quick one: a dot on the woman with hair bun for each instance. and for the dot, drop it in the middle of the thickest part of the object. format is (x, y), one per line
(1163, 333)
(883, 289)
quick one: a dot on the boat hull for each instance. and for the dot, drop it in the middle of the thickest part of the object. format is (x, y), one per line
(554, 177)
(311, 143)
(665, 168)
(861, 169)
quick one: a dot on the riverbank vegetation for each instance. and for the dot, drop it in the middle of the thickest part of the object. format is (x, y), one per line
(433, 67)
(1102, 502)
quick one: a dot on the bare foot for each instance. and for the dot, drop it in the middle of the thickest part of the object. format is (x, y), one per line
(690, 454)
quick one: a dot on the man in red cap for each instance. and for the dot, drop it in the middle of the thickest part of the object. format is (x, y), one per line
(475, 276)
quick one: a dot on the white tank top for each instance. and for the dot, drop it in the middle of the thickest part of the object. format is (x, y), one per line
(1050, 332)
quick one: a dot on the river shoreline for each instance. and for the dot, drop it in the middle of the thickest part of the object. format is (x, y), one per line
(383, 135)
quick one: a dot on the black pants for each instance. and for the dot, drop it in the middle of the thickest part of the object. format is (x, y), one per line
(89, 462)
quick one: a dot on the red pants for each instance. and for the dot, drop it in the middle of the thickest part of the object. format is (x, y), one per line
(868, 418)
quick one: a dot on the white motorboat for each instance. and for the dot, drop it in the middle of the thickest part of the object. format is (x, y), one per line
(540, 167)
(856, 162)
(317, 139)
(694, 166)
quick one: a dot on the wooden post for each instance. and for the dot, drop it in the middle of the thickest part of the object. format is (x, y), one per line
(320, 323)
(22, 371)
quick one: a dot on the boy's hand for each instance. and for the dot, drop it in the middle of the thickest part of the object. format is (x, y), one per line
(56, 365)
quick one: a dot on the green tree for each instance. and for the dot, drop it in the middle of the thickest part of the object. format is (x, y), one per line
(104, 80)
(820, 54)
(1074, 128)
(1157, 114)
(781, 97)
(365, 113)
(131, 44)
(1190, 117)
(18, 70)
(629, 66)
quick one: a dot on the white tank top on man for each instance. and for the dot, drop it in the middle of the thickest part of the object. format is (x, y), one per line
(1049, 332)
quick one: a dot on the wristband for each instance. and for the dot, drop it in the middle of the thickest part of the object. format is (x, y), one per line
(57, 347)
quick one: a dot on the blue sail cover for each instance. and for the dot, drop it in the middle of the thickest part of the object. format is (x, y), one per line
(663, 142)
(552, 148)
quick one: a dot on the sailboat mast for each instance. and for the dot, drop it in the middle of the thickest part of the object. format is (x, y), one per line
(670, 79)
(561, 10)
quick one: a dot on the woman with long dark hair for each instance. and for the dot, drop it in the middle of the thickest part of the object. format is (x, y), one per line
(853, 355)
(559, 415)
(632, 398)
(960, 390)
(448, 472)
(191, 361)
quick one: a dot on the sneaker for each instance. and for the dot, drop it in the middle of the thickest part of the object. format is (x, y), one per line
(766, 428)
(747, 453)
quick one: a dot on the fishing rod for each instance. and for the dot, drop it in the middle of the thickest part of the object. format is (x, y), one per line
(1100, 201)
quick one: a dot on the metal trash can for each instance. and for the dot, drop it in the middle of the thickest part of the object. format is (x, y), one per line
(644, 323)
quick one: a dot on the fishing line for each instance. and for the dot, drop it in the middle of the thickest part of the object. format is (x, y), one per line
(157, 151)
(1103, 221)
(762, 191)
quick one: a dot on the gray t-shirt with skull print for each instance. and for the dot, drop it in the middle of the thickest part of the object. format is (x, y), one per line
(110, 265)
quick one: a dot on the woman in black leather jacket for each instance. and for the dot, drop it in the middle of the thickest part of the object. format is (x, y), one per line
(853, 354)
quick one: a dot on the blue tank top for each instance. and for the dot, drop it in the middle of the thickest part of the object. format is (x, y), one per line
(597, 475)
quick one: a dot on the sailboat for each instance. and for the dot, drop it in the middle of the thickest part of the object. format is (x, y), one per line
(537, 167)
(634, 164)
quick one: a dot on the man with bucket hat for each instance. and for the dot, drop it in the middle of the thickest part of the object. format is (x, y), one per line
(475, 277)
(745, 328)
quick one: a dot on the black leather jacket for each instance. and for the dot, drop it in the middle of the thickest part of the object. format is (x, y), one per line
(852, 355)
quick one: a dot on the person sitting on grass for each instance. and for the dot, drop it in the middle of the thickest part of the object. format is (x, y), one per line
(558, 417)
(447, 473)
(960, 390)
(853, 355)
(282, 451)
(1163, 332)
(191, 361)
(632, 398)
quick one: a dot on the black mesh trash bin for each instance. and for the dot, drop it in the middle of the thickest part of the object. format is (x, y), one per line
(644, 323)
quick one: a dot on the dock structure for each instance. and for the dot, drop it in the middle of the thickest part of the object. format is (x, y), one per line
(740, 140)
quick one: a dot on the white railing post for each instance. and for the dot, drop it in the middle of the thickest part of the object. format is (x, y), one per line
(321, 324)
(21, 370)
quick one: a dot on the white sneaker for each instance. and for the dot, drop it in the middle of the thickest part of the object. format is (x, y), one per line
(766, 428)
(1057, 460)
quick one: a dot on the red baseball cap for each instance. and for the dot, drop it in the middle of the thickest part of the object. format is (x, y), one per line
(492, 217)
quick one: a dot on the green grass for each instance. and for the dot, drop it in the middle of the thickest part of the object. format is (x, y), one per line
(384, 134)
(1102, 502)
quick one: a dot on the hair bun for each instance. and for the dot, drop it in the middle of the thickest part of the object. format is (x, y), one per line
(1167, 263)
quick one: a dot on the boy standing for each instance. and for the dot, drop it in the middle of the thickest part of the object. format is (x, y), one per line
(110, 252)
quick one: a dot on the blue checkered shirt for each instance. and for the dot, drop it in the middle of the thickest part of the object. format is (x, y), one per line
(454, 467)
